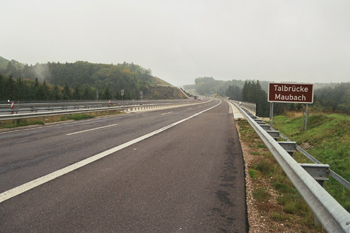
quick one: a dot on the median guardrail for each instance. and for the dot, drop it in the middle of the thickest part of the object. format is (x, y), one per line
(127, 108)
(329, 213)
(50, 106)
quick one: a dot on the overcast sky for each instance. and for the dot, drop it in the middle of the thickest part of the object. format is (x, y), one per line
(273, 40)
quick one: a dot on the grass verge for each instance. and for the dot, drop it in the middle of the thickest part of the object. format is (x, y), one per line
(275, 198)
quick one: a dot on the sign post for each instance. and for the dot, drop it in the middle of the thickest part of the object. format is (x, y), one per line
(290, 93)
(271, 114)
(122, 94)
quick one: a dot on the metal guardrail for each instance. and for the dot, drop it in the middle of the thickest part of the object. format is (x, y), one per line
(250, 106)
(56, 113)
(75, 111)
(332, 216)
(337, 177)
(34, 107)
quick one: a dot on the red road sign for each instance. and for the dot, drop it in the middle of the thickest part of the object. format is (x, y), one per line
(12, 104)
(291, 93)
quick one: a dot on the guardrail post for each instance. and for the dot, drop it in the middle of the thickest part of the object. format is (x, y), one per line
(320, 172)
(265, 127)
(44, 120)
(274, 134)
(259, 121)
(290, 147)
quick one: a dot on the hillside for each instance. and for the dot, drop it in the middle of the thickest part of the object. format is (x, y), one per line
(327, 139)
(99, 78)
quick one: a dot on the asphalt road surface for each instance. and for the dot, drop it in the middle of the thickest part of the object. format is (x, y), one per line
(172, 170)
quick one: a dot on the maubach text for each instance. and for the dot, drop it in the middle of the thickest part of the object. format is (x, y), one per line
(291, 93)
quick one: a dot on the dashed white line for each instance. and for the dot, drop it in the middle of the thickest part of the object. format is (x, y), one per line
(83, 131)
(166, 113)
(44, 179)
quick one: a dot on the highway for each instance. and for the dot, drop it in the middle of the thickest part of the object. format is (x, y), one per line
(171, 170)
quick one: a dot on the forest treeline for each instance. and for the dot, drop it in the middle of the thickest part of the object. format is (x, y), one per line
(209, 85)
(79, 80)
(28, 90)
(330, 98)
(252, 93)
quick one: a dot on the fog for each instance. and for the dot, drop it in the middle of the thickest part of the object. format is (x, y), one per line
(42, 72)
(298, 41)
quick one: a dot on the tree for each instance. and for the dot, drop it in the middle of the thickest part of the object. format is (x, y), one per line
(56, 94)
(20, 89)
(234, 92)
(106, 94)
(88, 94)
(40, 93)
(66, 92)
(253, 93)
(1, 87)
(10, 88)
(46, 90)
(76, 93)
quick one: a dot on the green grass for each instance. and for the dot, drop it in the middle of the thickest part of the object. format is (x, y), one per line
(264, 167)
(261, 194)
(20, 123)
(279, 217)
(329, 136)
(253, 173)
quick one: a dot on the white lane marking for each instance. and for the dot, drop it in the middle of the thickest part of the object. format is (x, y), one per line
(44, 179)
(53, 124)
(83, 131)
(166, 113)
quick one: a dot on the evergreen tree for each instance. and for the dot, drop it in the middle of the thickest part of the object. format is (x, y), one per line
(234, 92)
(253, 93)
(2, 87)
(20, 89)
(40, 93)
(66, 92)
(56, 95)
(106, 94)
(46, 90)
(88, 94)
(245, 92)
(10, 88)
(76, 93)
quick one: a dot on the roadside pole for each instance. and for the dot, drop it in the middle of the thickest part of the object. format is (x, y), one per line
(271, 114)
(307, 110)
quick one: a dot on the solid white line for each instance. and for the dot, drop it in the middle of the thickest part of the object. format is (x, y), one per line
(83, 131)
(44, 179)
